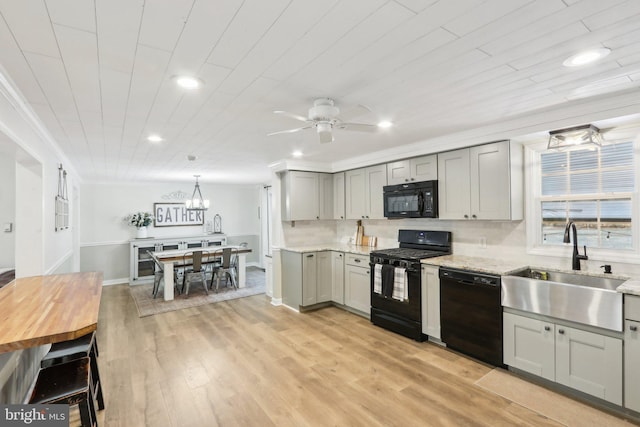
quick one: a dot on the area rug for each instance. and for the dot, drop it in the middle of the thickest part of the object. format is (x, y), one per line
(147, 305)
(552, 405)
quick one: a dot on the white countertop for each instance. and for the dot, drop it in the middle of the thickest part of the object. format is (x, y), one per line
(503, 268)
(631, 287)
(338, 247)
(481, 265)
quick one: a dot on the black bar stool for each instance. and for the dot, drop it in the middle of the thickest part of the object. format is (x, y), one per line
(66, 351)
(67, 383)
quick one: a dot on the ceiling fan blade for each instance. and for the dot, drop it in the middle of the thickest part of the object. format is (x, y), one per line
(291, 115)
(290, 130)
(359, 127)
(357, 111)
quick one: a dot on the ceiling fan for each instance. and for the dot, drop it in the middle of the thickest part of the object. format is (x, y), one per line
(323, 116)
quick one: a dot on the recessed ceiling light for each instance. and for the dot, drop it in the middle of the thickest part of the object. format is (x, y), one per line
(586, 57)
(154, 138)
(188, 82)
(297, 153)
(385, 124)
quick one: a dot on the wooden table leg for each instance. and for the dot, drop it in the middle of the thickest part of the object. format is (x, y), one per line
(168, 280)
(242, 270)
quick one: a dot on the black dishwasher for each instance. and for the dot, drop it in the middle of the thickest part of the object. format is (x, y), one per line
(471, 314)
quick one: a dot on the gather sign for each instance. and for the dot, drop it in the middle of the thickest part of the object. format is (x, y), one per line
(175, 214)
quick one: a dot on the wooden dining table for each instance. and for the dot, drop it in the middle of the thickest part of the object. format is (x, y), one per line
(42, 310)
(169, 258)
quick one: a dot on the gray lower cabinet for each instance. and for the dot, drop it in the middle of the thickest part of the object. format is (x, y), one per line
(357, 286)
(306, 278)
(337, 282)
(431, 301)
(580, 359)
(632, 352)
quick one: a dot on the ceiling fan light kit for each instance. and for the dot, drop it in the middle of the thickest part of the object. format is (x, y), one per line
(323, 116)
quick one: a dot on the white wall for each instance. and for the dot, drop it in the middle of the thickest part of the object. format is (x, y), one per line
(7, 209)
(104, 235)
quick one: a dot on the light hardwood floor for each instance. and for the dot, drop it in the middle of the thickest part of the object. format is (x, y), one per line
(247, 363)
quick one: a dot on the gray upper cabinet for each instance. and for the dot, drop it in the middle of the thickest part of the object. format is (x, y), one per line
(338, 196)
(481, 182)
(423, 168)
(306, 196)
(364, 192)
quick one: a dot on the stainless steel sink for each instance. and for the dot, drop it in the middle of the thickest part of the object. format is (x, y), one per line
(580, 279)
(576, 297)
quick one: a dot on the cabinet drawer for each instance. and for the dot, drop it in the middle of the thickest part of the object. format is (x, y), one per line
(357, 260)
(631, 307)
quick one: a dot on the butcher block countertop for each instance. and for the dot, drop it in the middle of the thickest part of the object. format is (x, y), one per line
(48, 309)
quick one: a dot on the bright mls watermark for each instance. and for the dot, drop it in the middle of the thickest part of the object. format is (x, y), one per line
(34, 415)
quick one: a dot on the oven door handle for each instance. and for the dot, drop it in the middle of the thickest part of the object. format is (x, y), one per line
(421, 203)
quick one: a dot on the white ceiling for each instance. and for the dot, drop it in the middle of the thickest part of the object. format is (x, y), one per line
(98, 73)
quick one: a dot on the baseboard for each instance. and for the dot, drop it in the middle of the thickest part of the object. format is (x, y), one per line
(123, 281)
(276, 301)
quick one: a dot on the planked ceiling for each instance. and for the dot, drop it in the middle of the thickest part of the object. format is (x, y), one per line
(99, 73)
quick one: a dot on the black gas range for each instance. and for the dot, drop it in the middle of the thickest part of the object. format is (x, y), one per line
(396, 284)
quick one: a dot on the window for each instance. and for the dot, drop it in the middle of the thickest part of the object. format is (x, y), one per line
(593, 188)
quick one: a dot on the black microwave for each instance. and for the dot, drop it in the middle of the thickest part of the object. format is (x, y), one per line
(411, 200)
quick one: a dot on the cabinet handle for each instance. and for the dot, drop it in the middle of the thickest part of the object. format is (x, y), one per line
(362, 216)
(367, 216)
(341, 217)
(413, 179)
(547, 328)
(310, 256)
(474, 216)
(633, 328)
(356, 260)
(466, 216)
(561, 331)
(340, 255)
(406, 180)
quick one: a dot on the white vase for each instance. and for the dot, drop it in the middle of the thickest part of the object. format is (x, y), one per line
(142, 233)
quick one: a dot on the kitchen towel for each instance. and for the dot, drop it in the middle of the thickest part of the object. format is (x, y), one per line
(377, 279)
(388, 272)
(400, 290)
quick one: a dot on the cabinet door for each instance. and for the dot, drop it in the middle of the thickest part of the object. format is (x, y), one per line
(357, 292)
(431, 301)
(490, 181)
(324, 276)
(291, 267)
(355, 181)
(309, 279)
(337, 281)
(589, 362)
(338, 196)
(631, 368)
(376, 180)
(301, 196)
(144, 267)
(453, 185)
(529, 345)
(424, 168)
(398, 172)
(325, 196)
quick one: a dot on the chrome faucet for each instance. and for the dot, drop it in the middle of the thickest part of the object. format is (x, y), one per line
(575, 260)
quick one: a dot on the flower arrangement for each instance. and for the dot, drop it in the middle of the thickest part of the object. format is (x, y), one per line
(139, 219)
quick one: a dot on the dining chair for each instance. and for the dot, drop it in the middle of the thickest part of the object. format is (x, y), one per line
(158, 275)
(197, 272)
(226, 268)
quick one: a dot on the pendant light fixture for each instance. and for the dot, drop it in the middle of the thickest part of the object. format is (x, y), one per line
(579, 136)
(197, 203)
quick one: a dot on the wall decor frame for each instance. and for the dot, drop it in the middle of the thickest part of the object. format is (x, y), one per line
(175, 215)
